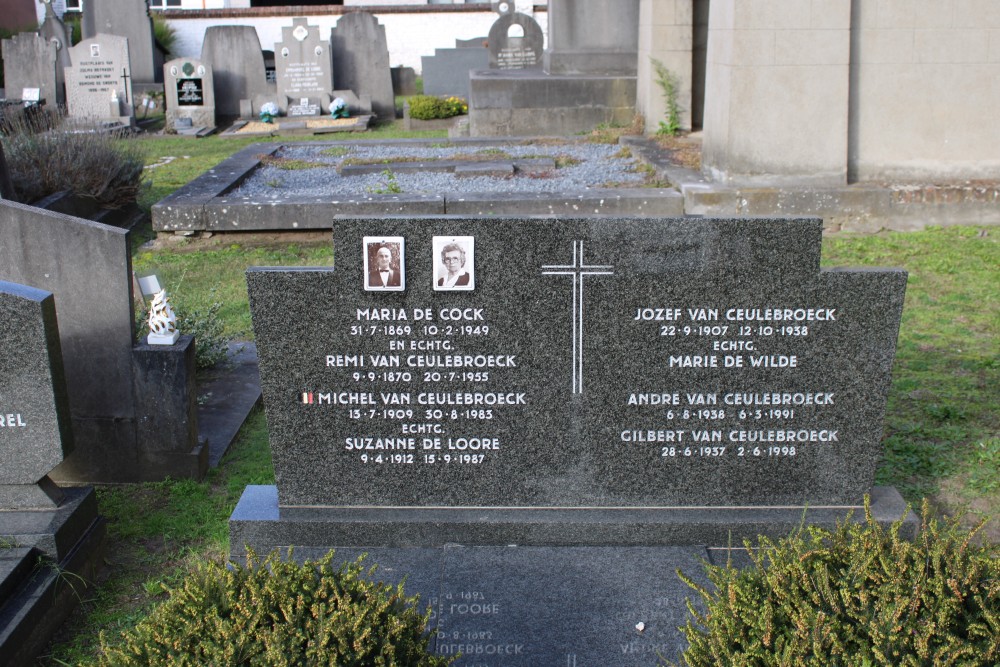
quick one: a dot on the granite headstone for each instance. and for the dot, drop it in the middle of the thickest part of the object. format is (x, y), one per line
(616, 363)
(233, 54)
(304, 70)
(554, 414)
(129, 19)
(29, 61)
(99, 82)
(361, 61)
(190, 92)
(516, 41)
(49, 536)
(35, 430)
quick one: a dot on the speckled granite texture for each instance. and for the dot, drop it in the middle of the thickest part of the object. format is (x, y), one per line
(683, 362)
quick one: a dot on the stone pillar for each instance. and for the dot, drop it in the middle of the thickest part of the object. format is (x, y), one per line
(776, 91)
(666, 34)
(592, 37)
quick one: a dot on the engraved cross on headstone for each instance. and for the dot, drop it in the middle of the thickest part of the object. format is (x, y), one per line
(578, 270)
(125, 77)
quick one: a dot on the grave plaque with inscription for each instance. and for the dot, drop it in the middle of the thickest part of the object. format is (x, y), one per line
(601, 363)
(99, 82)
(516, 42)
(190, 95)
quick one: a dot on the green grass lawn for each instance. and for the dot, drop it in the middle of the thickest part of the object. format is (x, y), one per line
(942, 425)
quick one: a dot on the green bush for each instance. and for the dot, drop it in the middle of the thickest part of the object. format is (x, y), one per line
(860, 595)
(428, 107)
(93, 165)
(278, 613)
(164, 33)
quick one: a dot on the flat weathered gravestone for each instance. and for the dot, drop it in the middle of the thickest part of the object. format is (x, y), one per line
(99, 82)
(29, 61)
(516, 42)
(234, 55)
(129, 19)
(578, 403)
(35, 429)
(304, 70)
(361, 61)
(190, 94)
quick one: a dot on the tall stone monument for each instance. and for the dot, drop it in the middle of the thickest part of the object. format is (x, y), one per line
(234, 55)
(605, 394)
(303, 69)
(29, 62)
(47, 533)
(56, 32)
(129, 19)
(361, 61)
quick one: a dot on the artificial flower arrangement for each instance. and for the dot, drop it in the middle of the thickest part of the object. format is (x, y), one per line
(268, 111)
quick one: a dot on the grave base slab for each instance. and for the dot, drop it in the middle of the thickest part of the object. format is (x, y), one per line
(58, 553)
(261, 523)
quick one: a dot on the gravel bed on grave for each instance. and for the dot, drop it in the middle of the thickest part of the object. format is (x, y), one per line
(598, 167)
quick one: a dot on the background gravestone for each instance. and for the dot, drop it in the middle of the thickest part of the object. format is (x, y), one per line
(190, 92)
(35, 429)
(56, 32)
(29, 61)
(303, 69)
(129, 19)
(361, 61)
(593, 37)
(99, 82)
(233, 54)
(447, 71)
(516, 42)
(87, 266)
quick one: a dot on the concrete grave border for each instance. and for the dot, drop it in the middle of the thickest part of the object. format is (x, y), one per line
(208, 203)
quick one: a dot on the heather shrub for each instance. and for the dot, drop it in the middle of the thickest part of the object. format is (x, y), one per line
(859, 595)
(98, 166)
(428, 107)
(278, 613)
